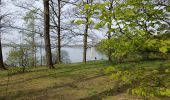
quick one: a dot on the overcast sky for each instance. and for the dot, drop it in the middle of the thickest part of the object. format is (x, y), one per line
(16, 18)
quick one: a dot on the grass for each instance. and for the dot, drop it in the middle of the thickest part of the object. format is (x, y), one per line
(79, 81)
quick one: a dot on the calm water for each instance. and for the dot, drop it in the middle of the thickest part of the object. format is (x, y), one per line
(75, 54)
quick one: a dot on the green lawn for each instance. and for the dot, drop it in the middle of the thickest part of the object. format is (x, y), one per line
(77, 81)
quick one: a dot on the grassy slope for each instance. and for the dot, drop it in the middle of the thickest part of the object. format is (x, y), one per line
(67, 82)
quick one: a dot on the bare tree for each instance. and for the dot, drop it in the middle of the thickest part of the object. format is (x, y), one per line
(47, 34)
(59, 27)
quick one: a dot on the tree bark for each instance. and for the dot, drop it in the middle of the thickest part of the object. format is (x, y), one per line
(41, 57)
(85, 41)
(35, 57)
(86, 34)
(109, 50)
(59, 33)
(47, 34)
(1, 56)
(109, 33)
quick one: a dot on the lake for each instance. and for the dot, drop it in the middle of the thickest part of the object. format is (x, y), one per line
(75, 54)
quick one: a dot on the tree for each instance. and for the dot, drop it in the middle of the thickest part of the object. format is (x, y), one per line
(134, 22)
(55, 8)
(18, 56)
(59, 34)
(29, 19)
(47, 34)
(60, 29)
(1, 56)
(85, 19)
(87, 23)
(59, 25)
(109, 33)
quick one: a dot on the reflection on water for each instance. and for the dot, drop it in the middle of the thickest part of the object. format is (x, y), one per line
(75, 54)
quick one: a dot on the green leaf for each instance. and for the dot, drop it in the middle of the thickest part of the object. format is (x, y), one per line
(99, 25)
(124, 78)
(167, 71)
(168, 9)
(109, 69)
(79, 22)
(86, 6)
(163, 49)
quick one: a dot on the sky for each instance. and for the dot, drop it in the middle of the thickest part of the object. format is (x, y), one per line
(17, 15)
(11, 35)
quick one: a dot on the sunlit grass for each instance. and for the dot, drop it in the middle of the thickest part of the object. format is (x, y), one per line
(68, 81)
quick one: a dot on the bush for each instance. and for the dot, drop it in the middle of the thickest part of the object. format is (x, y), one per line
(143, 82)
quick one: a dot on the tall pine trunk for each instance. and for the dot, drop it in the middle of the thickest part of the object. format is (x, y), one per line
(47, 35)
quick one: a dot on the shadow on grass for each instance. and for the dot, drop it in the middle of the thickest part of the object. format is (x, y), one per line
(73, 66)
(19, 72)
(112, 92)
(42, 92)
(118, 89)
(65, 71)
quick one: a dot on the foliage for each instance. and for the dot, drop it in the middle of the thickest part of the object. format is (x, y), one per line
(126, 44)
(144, 82)
(16, 57)
(20, 56)
(136, 25)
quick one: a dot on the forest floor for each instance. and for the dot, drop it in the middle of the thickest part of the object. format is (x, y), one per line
(77, 81)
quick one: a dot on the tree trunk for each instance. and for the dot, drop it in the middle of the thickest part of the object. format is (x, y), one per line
(47, 35)
(1, 56)
(109, 50)
(41, 57)
(59, 34)
(109, 34)
(34, 45)
(86, 35)
(35, 57)
(85, 41)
